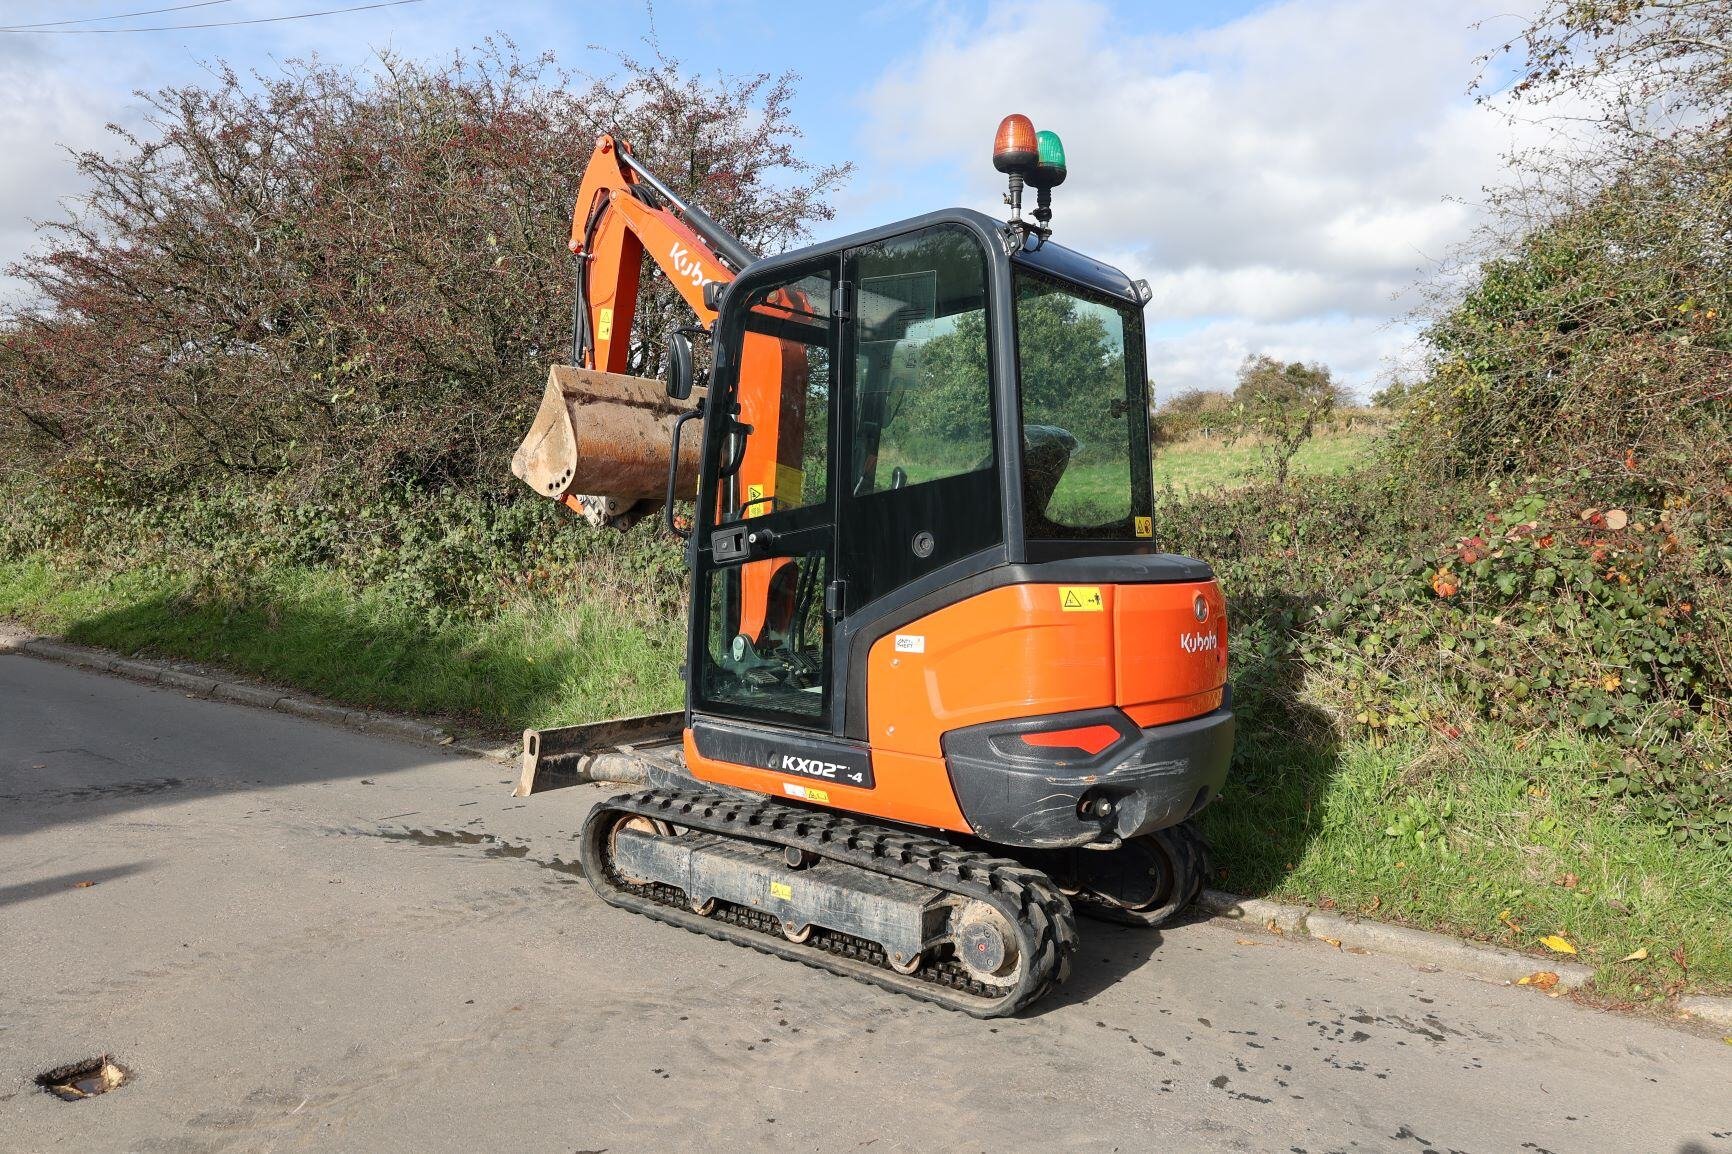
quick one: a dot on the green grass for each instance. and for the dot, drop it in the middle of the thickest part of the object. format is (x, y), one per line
(1211, 463)
(1451, 838)
(527, 667)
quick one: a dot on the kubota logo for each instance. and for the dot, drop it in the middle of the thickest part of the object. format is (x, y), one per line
(1199, 642)
(688, 266)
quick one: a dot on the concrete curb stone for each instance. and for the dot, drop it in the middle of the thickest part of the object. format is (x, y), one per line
(1287, 919)
(71, 654)
(191, 682)
(1709, 1009)
(316, 710)
(141, 670)
(263, 696)
(1490, 962)
(494, 752)
(402, 726)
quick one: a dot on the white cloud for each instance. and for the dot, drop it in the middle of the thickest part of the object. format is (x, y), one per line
(1280, 179)
(43, 113)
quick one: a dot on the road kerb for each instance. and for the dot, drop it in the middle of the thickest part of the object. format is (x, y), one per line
(315, 710)
(1716, 1011)
(138, 670)
(400, 726)
(70, 654)
(495, 752)
(194, 683)
(263, 696)
(1285, 919)
(1493, 963)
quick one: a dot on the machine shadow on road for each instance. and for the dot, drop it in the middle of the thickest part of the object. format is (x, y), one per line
(29, 891)
(63, 760)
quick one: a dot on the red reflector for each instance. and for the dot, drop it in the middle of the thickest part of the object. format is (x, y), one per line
(1091, 739)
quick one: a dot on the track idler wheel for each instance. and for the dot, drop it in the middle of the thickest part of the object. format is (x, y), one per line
(1144, 882)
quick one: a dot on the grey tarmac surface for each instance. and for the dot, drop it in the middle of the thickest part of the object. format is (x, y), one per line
(304, 938)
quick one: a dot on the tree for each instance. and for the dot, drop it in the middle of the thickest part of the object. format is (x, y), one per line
(361, 275)
(1280, 404)
(1592, 343)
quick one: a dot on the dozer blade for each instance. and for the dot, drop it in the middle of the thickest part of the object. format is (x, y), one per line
(599, 443)
(899, 909)
(619, 749)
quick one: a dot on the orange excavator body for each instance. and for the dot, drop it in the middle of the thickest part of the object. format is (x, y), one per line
(924, 585)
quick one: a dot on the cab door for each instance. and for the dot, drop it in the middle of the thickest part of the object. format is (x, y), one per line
(766, 548)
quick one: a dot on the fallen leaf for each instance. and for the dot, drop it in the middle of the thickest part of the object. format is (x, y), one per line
(1616, 519)
(1273, 928)
(1504, 917)
(1539, 980)
(1678, 956)
(82, 885)
(1371, 906)
(1557, 944)
(447, 739)
(1249, 942)
(1326, 904)
(1640, 955)
(1336, 942)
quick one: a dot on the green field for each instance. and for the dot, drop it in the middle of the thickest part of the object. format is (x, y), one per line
(1211, 463)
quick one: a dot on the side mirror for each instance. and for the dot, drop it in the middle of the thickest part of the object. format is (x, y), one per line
(679, 368)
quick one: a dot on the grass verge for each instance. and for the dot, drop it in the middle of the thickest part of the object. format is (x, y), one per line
(530, 666)
(1442, 839)
(1484, 840)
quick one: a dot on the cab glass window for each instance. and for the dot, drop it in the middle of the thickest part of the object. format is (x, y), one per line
(922, 390)
(1085, 422)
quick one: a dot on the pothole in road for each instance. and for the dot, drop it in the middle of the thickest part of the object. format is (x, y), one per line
(80, 1080)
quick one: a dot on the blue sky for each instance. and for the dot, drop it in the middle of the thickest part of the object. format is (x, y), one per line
(1282, 173)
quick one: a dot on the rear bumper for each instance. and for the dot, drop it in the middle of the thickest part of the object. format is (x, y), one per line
(1017, 795)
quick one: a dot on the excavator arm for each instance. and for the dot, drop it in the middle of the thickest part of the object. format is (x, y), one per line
(622, 212)
(600, 441)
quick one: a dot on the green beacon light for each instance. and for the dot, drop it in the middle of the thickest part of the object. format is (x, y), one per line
(1049, 172)
(1049, 169)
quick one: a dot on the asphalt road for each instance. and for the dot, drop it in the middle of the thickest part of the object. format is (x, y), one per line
(306, 938)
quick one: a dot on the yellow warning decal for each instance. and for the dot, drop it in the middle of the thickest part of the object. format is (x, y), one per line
(805, 791)
(779, 890)
(1080, 598)
(817, 794)
(1145, 526)
(755, 503)
(604, 324)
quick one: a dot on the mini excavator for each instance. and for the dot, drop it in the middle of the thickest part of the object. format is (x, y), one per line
(943, 690)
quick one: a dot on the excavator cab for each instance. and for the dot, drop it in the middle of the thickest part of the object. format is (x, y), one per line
(928, 614)
(889, 415)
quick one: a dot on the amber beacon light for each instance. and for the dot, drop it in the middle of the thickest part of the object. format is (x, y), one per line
(1016, 150)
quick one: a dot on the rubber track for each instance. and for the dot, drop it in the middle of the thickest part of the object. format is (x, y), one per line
(1042, 916)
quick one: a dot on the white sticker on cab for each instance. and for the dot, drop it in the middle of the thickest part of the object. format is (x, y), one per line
(911, 643)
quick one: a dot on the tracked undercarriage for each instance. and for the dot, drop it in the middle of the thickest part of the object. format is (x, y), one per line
(964, 927)
(969, 931)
